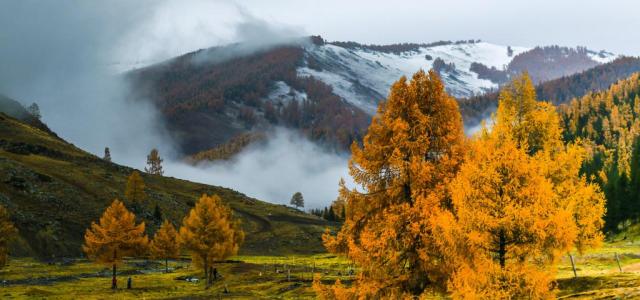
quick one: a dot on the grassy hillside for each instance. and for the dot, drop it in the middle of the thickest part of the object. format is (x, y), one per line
(54, 190)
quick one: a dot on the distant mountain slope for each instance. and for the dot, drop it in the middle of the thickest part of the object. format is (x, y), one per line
(608, 123)
(559, 90)
(326, 90)
(54, 190)
(16, 110)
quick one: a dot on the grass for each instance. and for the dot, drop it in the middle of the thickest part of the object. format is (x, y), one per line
(265, 277)
(598, 274)
(247, 277)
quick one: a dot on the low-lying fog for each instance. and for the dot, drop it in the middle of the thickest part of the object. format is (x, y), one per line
(64, 56)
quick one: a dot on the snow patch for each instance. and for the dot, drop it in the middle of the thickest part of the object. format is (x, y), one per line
(363, 76)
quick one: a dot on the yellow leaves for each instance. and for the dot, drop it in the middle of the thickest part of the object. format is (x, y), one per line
(486, 219)
(413, 146)
(7, 232)
(116, 236)
(165, 242)
(520, 203)
(209, 231)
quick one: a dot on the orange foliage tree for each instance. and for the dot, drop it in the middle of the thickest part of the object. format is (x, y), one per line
(519, 203)
(165, 244)
(210, 233)
(7, 231)
(414, 145)
(116, 236)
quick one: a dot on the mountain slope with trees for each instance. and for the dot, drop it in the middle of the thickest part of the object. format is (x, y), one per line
(608, 123)
(53, 191)
(559, 90)
(212, 99)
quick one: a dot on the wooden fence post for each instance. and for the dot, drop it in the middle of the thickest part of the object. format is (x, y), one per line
(618, 260)
(573, 265)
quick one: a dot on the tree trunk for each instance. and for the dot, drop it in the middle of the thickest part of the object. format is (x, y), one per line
(166, 265)
(114, 284)
(502, 250)
(206, 271)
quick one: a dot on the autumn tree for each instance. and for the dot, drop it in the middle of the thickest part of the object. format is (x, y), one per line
(116, 236)
(134, 191)
(297, 200)
(154, 163)
(165, 244)
(107, 154)
(210, 233)
(412, 148)
(519, 203)
(339, 205)
(7, 232)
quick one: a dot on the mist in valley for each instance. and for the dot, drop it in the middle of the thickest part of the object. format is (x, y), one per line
(70, 63)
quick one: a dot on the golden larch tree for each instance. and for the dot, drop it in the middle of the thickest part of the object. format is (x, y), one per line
(210, 233)
(414, 145)
(7, 232)
(154, 163)
(134, 191)
(165, 244)
(116, 236)
(519, 203)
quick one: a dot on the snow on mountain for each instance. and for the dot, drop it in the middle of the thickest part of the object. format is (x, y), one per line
(602, 56)
(363, 76)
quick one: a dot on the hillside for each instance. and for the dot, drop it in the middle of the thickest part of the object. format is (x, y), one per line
(608, 122)
(54, 190)
(326, 90)
(559, 90)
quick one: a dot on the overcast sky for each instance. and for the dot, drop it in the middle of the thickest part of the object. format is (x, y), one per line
(611, 25)
(172, 27)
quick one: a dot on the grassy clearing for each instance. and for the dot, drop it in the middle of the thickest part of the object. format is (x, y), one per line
(247, 277)
(266, 277)
(598, 274)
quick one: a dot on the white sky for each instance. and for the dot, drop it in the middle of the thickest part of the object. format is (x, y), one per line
(171, 27)
(612, 25)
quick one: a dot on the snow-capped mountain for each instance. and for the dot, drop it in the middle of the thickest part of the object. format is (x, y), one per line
(326, 90)
(362, 75)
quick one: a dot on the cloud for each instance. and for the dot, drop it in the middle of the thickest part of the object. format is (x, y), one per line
(288, 163)
(61, 55)
(57, 54)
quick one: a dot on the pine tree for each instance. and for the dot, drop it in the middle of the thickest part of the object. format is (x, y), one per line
(107, 154)
(165, 244)
(134, 191)
(210, 233)
(7, 232)
(413, 146)
(116, 236)
(154, 163)
(297, 200)
(34, 110)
